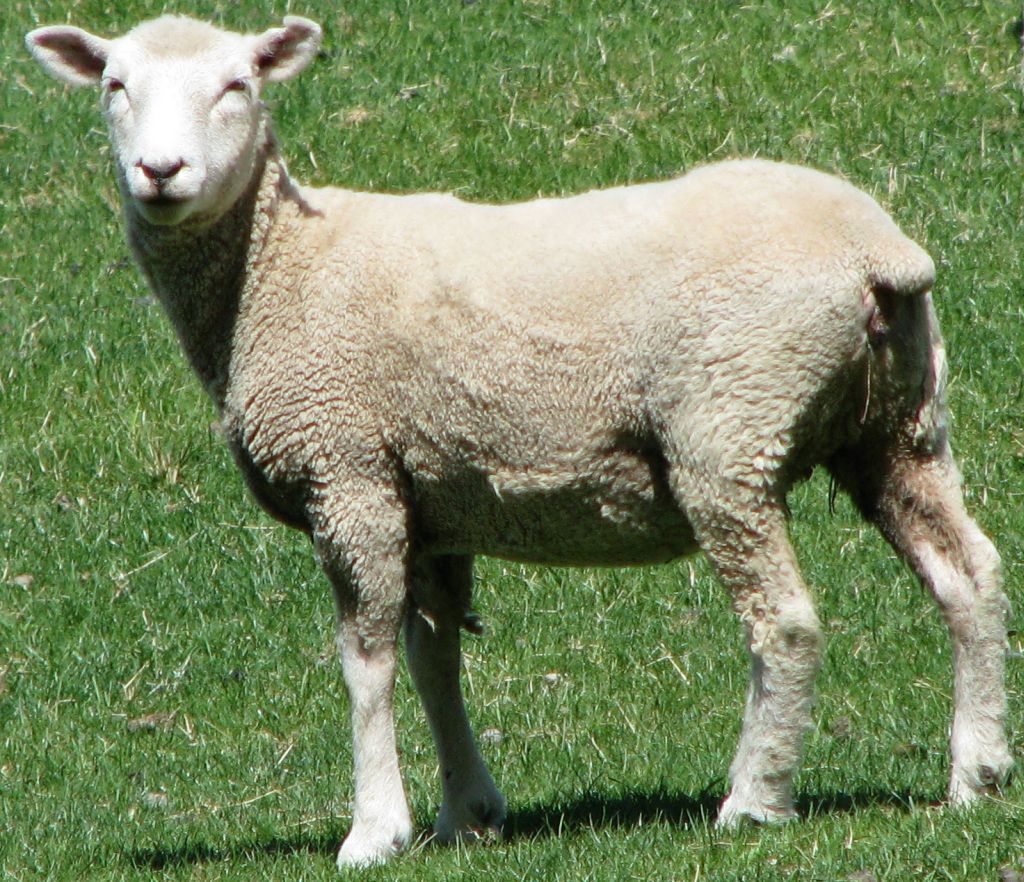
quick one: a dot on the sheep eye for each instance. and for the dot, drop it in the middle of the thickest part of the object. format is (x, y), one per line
(114, 85)
(238, 85)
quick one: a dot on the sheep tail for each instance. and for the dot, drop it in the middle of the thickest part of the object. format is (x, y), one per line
(905, 272)
(901, 314)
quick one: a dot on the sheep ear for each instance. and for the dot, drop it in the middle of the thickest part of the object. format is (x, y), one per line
(70, 54)
(282, 53)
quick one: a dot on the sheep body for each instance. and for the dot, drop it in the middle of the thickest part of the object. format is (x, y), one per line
(472, 325)
(613, 378)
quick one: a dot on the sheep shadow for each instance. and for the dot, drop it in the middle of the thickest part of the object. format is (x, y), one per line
(590, 810)
(324, 842)
(636, 808)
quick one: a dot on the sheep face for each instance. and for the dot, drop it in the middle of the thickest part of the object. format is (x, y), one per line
(182, 101)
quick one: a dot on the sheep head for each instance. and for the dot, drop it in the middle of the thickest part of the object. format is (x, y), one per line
(182, 101)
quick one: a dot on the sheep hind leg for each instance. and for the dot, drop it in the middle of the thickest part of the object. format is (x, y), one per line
(472, 806)
(746, 540)
(918, 506)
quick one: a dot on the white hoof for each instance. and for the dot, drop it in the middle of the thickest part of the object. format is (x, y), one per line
(365, 850)
(968, 784)
(735, 812)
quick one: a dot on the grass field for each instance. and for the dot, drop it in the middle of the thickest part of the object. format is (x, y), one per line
(169, 706)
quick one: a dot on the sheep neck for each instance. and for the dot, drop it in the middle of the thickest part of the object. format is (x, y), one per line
(199, 274)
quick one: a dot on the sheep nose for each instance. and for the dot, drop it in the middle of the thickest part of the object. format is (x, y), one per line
(161, 172)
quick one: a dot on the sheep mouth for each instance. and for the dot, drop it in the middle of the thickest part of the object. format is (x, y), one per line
(163, 209)
(162, 200)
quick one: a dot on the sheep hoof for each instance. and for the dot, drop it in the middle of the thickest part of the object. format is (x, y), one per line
(359, 851)
(967, 787)
(733, 815)
(479, 821)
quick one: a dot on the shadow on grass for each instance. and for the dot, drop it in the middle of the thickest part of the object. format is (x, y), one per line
(588, 811)
(633, 809)
(811, 806)
(630, 809)
(325, 842)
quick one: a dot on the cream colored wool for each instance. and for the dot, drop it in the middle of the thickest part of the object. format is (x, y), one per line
(615, 378)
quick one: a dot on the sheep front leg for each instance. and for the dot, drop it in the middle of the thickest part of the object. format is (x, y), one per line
(472, 806)
(381, 824)
(368, 572)
(747, 543)
(920, 511)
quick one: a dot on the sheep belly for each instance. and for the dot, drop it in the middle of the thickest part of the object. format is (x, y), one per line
(616, 510)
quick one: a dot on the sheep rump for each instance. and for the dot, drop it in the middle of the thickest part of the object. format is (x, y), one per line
(613, 378)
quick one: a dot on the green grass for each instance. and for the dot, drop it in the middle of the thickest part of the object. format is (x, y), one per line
(168, 706)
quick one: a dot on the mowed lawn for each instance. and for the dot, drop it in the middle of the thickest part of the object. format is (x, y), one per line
(169, 703)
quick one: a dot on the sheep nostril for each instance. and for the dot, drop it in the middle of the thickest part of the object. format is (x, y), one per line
(161, 173)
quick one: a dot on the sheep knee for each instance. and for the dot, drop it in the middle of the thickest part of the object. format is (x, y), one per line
(799, 641)
(786, 650)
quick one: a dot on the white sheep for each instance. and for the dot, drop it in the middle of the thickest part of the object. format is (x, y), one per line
(616, 378)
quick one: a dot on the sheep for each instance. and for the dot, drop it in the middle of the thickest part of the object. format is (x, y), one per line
(620, 377)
